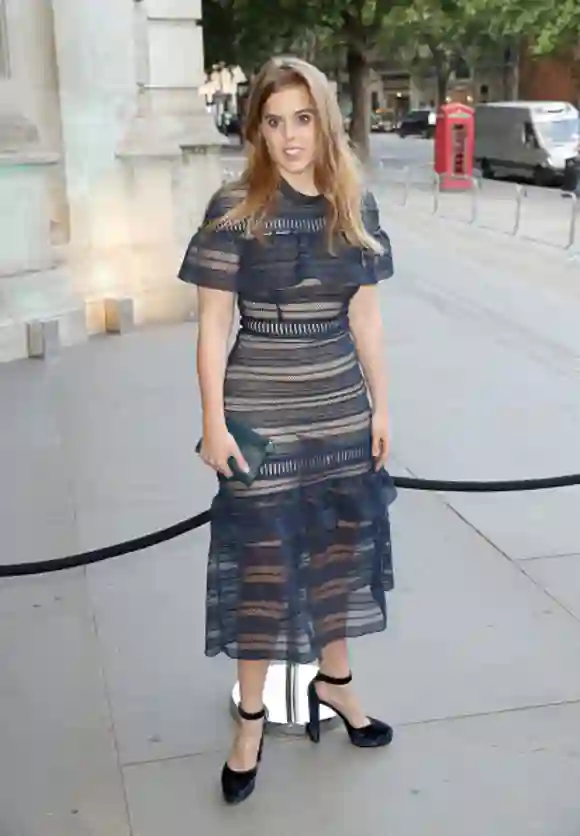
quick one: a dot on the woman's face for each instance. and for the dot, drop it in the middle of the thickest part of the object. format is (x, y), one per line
(289, 130)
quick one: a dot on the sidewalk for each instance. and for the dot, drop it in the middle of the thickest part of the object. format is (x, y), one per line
(112, 721)
(543, 215)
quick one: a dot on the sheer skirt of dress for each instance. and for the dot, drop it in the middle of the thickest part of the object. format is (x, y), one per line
(302, 557)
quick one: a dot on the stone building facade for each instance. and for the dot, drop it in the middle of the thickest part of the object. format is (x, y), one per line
(107, 157)
(555, 78)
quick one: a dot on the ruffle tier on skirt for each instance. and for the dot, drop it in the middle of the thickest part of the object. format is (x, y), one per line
(292, 571)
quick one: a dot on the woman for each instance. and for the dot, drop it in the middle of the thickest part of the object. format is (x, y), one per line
(300, 559)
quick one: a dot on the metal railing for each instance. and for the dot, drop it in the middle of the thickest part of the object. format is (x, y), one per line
(519, 197)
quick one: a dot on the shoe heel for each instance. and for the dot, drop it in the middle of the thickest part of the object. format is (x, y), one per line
(237, 786)
(313, 726)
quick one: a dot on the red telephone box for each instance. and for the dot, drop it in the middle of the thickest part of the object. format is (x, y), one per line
(454, 146)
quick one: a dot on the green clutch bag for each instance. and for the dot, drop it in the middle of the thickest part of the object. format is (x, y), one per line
(253, 447)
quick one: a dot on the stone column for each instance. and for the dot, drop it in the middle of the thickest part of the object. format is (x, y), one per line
(30, 65)
(96, 60)
(129, 76)
(170, 152)
(36, 292)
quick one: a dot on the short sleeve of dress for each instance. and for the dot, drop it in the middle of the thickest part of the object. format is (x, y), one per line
(212, 257)
(379, 266)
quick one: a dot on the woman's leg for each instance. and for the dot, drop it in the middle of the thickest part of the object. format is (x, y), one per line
(334, 662)
(251, 678)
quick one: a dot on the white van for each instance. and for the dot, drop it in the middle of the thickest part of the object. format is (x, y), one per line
(531, 140)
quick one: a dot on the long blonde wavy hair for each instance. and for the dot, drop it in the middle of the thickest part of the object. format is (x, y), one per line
(337, 173)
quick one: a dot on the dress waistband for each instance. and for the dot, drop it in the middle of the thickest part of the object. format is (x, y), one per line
(293, 328)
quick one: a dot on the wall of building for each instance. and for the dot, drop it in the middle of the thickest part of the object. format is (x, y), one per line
(551, 78)
(111, 86)
(486, 84)
(33, 76)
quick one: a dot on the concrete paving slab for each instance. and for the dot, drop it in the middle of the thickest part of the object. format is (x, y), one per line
(524, 291)
(26, 424)
(531, 525)
(469, 632)
(167, 698)
(512, 411)
(560, 577)
(515, 773)
(36, 593)
(60, 774)
(126, 430)
(36, 505)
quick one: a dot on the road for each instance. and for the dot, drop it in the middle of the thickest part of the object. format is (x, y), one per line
(397, 152)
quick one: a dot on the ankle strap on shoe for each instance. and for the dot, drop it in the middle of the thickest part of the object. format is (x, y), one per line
(331, 680)
(245, 715)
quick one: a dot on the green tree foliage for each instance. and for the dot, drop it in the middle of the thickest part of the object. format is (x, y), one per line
(247, 32)
(424, 34)
(558, 25)
(357, 27)
(546, 25)
(441, 35)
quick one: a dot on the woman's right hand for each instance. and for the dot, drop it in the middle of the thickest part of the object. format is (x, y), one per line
(217, 446)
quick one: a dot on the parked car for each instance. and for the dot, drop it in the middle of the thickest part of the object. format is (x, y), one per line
(419, 123)
(381, 121)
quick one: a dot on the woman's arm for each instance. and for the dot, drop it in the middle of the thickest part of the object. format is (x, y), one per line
(216, 312)
(366, 326)
(216, 309)
(367, 331)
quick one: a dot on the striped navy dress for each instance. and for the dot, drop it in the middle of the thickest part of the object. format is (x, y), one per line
(302, 557)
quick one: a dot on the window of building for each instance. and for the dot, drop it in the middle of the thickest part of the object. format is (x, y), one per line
(462, 69)
(375, 100)
(4, 57)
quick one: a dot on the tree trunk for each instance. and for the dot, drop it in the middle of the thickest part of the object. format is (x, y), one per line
(358, 79)
(442, 84)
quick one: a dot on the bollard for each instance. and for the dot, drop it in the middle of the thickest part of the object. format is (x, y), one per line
(119, 315)
(476, 186)
(436, 194)
(43, 338)
(520, 195)
(573, 216)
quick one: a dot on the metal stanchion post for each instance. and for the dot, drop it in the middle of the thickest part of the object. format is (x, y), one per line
(520, 194)
(475, 187)
(573, 217)
(285, 699)
(437, 186)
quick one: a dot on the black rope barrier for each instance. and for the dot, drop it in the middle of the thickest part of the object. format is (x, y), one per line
(40, 567)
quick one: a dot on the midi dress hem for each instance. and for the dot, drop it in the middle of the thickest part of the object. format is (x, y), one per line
(335, 539)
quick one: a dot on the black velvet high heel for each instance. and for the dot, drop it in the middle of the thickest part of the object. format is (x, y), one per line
(374, 734)
(237, 786)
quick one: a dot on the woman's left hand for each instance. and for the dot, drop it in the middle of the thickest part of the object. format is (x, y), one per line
(380, 436)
